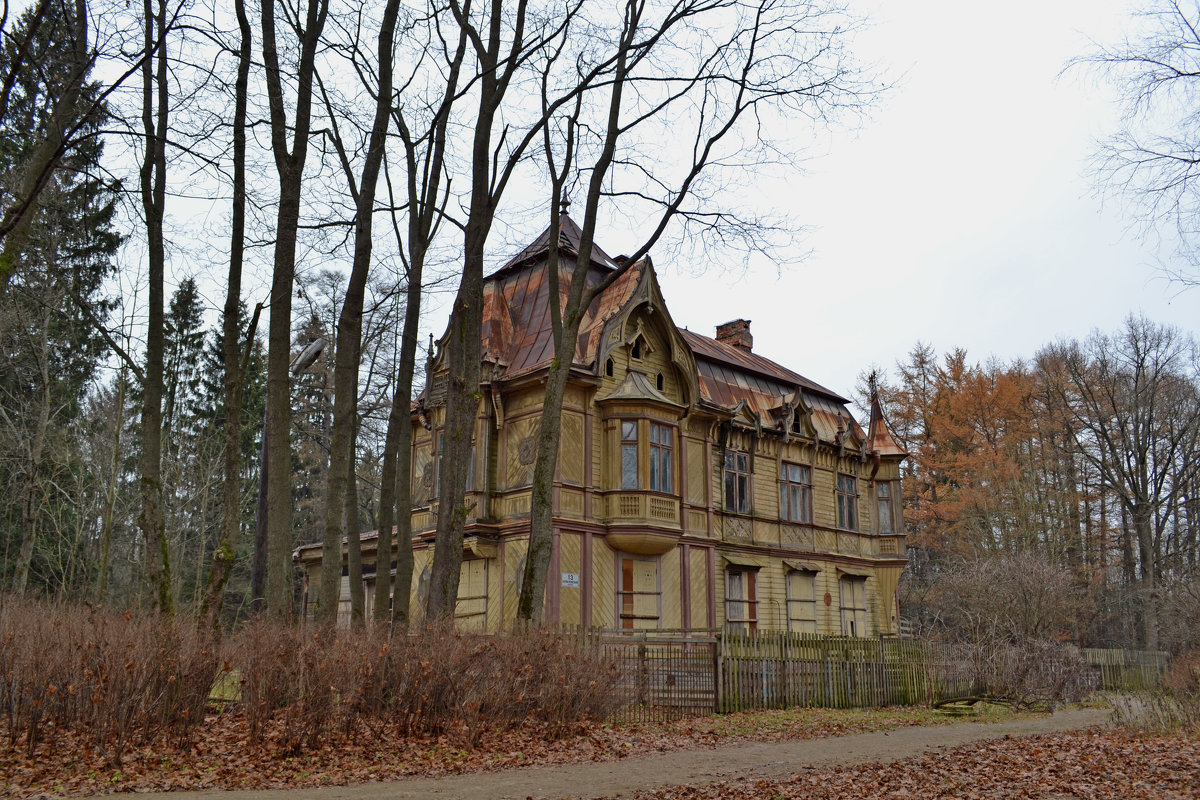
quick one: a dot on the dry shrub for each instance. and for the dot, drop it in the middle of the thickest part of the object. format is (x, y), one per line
(1176, 706)
(304, 684)
(122, 678)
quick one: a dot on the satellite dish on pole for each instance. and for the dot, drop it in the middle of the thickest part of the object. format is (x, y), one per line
(308, 355)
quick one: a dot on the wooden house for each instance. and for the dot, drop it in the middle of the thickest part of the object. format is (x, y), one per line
(699, 484)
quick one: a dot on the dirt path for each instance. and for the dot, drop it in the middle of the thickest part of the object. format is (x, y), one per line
(695, 767)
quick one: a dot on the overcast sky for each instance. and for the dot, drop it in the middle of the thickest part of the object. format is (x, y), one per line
(961, 213)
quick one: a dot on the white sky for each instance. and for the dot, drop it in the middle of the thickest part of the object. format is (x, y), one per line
(960, 214)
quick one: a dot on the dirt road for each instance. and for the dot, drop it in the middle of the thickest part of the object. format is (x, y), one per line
(681, 767)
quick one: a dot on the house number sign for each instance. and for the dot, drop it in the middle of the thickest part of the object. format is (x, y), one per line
(570, 580)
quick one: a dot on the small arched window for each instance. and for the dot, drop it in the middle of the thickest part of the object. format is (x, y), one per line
(608, 368)
(659, 382)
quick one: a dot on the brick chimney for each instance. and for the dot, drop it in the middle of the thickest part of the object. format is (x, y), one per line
(736, 334)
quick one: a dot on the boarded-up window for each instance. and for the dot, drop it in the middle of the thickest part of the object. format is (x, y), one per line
(802, 601)
(795, 493)
(741, 599)
(639, 595)
(470, 612)
(854, 606)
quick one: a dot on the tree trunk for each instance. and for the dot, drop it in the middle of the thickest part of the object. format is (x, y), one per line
(153, 190)
(349, 329)
(290, 167)
(1143, 525)
(231, 512)
(354, 543)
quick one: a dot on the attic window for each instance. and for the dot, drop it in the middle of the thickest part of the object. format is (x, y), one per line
(659, 382)
(636, 352)
(797, 425)
(608, 368)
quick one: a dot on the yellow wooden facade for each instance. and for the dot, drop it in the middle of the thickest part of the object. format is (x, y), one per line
(670, 550)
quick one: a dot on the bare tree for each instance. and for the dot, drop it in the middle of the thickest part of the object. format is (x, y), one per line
(769, 58)
(153, 180)
(289, 164)
(349, 333)
(1153, 159)
(502, 40)
(223, 555)
(1135, 403)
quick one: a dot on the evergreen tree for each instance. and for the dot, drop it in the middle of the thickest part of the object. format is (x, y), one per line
(50, 345)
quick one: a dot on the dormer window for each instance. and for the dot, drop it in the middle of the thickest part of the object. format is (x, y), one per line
(797, 423)
(636, 351)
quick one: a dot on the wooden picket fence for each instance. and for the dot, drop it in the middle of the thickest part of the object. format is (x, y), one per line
(667, 674)
(1126, 670)
(779, 670)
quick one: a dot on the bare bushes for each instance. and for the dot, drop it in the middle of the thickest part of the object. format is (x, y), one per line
(116, 681)
(302, 684)
(121, 679)
(1176, 706)
(1012, 616)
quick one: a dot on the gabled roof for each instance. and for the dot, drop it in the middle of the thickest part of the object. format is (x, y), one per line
(569, 234)
(517, 339)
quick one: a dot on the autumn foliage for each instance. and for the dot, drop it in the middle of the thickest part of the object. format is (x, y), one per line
(1085, 457)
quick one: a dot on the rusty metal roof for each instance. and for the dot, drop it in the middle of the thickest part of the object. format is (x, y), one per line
(569, 234)
(517, 336)
(879, 438)
(743, 360)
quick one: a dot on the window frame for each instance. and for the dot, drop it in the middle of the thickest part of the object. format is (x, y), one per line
(662, 457)
(885, 505)
(747, 579)
(846, 496)
(630, 481)
(741, 478)
(802, 487)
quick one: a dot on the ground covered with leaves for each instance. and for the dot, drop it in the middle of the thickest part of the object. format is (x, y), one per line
(222, 756)
(1107, 764)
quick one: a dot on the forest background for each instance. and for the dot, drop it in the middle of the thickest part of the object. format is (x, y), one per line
(135, 432)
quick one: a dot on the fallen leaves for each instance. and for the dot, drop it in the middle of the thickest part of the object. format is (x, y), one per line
(1109, 764)
(222, 756)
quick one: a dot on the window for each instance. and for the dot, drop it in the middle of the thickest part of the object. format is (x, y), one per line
(638, 594)
(737, 482)
(470, 612)
(658, 381)
(629, 454)
(795, 494)
(636, 352)
(661, 442)
(847, 503)
(802, 601)
(741, 599)
(608, 368)
(883, 502)
(854, 605)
